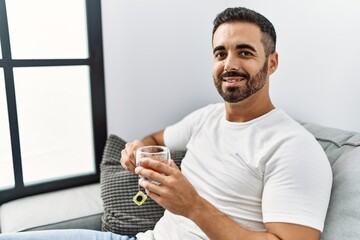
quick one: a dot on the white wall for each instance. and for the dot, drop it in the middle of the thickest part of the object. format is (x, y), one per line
(158, 60)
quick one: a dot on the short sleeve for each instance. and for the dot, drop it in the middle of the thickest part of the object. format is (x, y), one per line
(178, 135)
(297, 184)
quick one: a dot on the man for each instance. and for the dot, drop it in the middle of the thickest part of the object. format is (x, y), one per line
(250, 171)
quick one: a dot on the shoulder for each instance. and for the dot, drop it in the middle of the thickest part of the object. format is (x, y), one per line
(281, 127)
(176, 136)
(284, 139)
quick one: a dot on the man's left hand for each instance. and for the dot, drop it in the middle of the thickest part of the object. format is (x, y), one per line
(174, 191)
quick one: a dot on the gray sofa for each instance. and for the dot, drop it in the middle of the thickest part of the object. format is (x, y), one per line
(79, 207)
(83, 207)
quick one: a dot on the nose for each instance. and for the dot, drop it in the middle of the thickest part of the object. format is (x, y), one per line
(231, 63)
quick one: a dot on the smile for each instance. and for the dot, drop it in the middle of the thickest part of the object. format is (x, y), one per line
(233, 79)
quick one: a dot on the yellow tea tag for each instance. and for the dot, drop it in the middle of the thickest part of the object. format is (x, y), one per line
(139, 198)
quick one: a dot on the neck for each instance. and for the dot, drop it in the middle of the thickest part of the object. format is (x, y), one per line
(248, 109)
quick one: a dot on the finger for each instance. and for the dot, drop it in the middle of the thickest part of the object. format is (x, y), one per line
(155, 192)
(129, 153)
(126, 163)
(156, 165)
(135, 145)
(150, 187)
(154, 197)
(150, 174)
(173, 164)
(122, 158)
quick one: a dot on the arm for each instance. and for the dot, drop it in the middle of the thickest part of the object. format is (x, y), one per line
(127, 160)
(176, 194)
(156, 138)
(226, 228)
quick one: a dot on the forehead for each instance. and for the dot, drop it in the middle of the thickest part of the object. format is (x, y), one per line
(234, 33)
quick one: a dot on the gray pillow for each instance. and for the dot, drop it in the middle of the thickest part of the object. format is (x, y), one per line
(343, 151)
(118, 187)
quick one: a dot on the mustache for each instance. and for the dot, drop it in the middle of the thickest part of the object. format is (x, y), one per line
(234, 74)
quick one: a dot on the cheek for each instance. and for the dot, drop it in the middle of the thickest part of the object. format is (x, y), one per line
(218, 68)
(252, 69)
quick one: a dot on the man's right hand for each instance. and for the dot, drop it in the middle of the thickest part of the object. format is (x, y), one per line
(128, 155)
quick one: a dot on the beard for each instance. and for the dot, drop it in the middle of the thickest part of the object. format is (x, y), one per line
(237, 94)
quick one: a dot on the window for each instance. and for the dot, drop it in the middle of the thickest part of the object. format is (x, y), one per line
(6, 167)
(52, 97)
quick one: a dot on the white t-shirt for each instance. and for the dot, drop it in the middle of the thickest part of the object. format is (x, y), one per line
(269, 169)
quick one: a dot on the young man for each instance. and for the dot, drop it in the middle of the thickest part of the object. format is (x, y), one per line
(250, 171)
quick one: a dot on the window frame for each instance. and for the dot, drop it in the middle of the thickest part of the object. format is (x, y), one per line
(98, 104)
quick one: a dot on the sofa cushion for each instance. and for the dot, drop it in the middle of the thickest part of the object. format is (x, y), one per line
(78, 207)
(118, 187)
(343, 151)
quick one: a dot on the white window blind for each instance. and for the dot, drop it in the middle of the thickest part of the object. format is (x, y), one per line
(55, 122)
(47, 29)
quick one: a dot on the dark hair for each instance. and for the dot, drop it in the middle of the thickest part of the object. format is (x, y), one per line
(240, 14)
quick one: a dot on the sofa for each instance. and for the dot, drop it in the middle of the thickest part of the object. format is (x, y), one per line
(108, 205)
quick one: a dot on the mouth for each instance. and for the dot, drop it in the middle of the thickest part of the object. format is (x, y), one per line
(233, 79)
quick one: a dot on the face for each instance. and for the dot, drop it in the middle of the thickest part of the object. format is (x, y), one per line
(240, 65)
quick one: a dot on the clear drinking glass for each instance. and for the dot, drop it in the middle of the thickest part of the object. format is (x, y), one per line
(158, 153)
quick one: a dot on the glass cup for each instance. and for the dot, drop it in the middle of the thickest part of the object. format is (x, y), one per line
(159, 153)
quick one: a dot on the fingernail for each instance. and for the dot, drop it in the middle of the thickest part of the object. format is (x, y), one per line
(137, 170)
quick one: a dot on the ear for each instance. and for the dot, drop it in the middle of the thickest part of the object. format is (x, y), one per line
(273, 62)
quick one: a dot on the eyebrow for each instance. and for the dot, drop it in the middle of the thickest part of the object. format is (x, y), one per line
(246, 46)
(239, 46)
(218, 48)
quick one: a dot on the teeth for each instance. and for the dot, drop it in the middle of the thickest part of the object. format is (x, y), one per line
(234, 80)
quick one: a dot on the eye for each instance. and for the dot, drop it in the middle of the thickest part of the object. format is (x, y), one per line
(220, 55)
(246, 53)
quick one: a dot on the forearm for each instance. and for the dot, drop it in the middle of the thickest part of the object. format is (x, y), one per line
(217, 225)
(156, 138)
